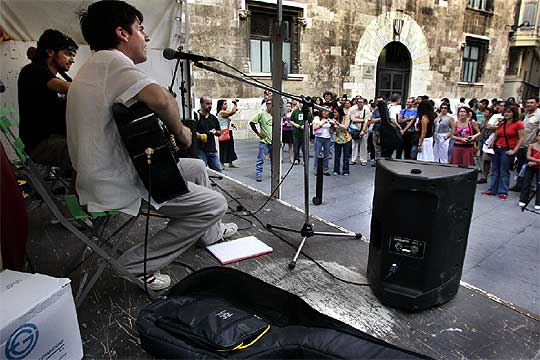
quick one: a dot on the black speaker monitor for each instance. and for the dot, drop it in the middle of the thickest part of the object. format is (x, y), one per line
(419, 228)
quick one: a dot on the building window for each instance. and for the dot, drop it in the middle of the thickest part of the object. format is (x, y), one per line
(514, 56)
(262, 20)
(473, 60)
(529, 15)
(486, 5)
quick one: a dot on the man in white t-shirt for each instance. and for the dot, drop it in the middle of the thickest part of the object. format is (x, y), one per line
(360, 115)
(107, 179)
(394, 108)
(531, 120)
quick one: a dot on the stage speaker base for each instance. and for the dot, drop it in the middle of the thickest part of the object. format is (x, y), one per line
(419, 230)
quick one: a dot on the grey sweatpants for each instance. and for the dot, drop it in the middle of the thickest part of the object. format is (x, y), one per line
(195, 216)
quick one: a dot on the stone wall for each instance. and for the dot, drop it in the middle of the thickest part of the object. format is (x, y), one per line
(341, 42)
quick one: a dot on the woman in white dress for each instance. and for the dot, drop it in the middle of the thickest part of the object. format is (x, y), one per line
(442, 135)
(427, 116)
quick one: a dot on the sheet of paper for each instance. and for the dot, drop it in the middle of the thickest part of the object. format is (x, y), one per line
(239, 249)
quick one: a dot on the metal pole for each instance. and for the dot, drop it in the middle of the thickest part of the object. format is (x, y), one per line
(277, 102)
(187, 70)
(306, 116)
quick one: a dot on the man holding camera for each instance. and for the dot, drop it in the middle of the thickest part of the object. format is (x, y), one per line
(207, 129)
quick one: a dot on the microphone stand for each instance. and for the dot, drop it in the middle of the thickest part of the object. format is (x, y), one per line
(307, 229)
(189, 122)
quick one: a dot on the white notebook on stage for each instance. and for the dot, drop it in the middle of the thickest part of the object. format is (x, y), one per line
(239, 249)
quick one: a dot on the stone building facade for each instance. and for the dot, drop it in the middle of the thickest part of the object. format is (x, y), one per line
(523, 70)
(368, 48)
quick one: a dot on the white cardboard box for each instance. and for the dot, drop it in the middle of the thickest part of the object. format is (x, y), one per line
(37, 318)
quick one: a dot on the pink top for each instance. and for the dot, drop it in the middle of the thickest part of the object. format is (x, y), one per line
(464, 132)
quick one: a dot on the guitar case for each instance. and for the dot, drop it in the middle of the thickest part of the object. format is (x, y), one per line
(221, 313)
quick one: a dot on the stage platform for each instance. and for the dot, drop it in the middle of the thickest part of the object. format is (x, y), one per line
(474, 325)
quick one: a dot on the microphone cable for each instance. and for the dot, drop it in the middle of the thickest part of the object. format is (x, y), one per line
(273, 192)
(270, 197)
(309, 257)
(171, 91)
(531, 196)
(149, 153)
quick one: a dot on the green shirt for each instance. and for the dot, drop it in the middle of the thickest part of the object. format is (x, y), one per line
(479, 116)
(264, 119)
(342, 135)
(299, 133)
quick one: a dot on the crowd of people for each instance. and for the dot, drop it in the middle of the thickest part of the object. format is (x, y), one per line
(495, 136)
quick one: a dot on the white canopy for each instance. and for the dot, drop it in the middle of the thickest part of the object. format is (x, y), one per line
(25, 20)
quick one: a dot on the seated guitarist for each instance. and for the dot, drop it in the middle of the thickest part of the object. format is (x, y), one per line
(107, 178)
(42, 95)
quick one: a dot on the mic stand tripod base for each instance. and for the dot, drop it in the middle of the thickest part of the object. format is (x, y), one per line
(306, 232)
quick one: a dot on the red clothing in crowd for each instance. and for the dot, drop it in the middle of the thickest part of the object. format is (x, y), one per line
(511, 134)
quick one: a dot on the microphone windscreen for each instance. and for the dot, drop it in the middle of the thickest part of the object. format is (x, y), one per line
(169, 54)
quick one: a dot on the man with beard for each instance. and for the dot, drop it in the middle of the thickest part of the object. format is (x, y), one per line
(42, 94)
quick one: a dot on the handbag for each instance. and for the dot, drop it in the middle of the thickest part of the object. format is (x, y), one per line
(354, 130)
(225, 135)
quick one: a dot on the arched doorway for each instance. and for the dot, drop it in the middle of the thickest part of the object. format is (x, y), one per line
(394, 71)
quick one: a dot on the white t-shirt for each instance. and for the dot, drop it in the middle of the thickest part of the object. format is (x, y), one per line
(106, 176)
(393, 111)
(363, 114)
(493, 120)
(324, 130)
(532, 123)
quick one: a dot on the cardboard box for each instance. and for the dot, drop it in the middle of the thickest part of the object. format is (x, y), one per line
(37, 318)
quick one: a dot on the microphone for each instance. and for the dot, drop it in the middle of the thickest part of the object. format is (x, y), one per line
(171, 54)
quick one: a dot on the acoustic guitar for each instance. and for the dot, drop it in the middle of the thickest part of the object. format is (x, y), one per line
(140, 128)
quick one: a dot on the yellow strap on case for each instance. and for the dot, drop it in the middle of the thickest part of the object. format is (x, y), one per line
(241, 346)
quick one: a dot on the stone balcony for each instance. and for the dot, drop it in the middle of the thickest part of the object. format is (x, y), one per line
(526, 37)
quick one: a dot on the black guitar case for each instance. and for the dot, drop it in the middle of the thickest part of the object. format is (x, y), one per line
(220, 313)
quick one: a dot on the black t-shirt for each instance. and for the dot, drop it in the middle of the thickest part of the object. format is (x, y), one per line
(42, 111)
(204, 125)
(429, 128)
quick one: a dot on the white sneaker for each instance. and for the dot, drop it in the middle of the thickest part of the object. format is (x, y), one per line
(521, 204)
(229, 229)
(536, 207)
(156, 281)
